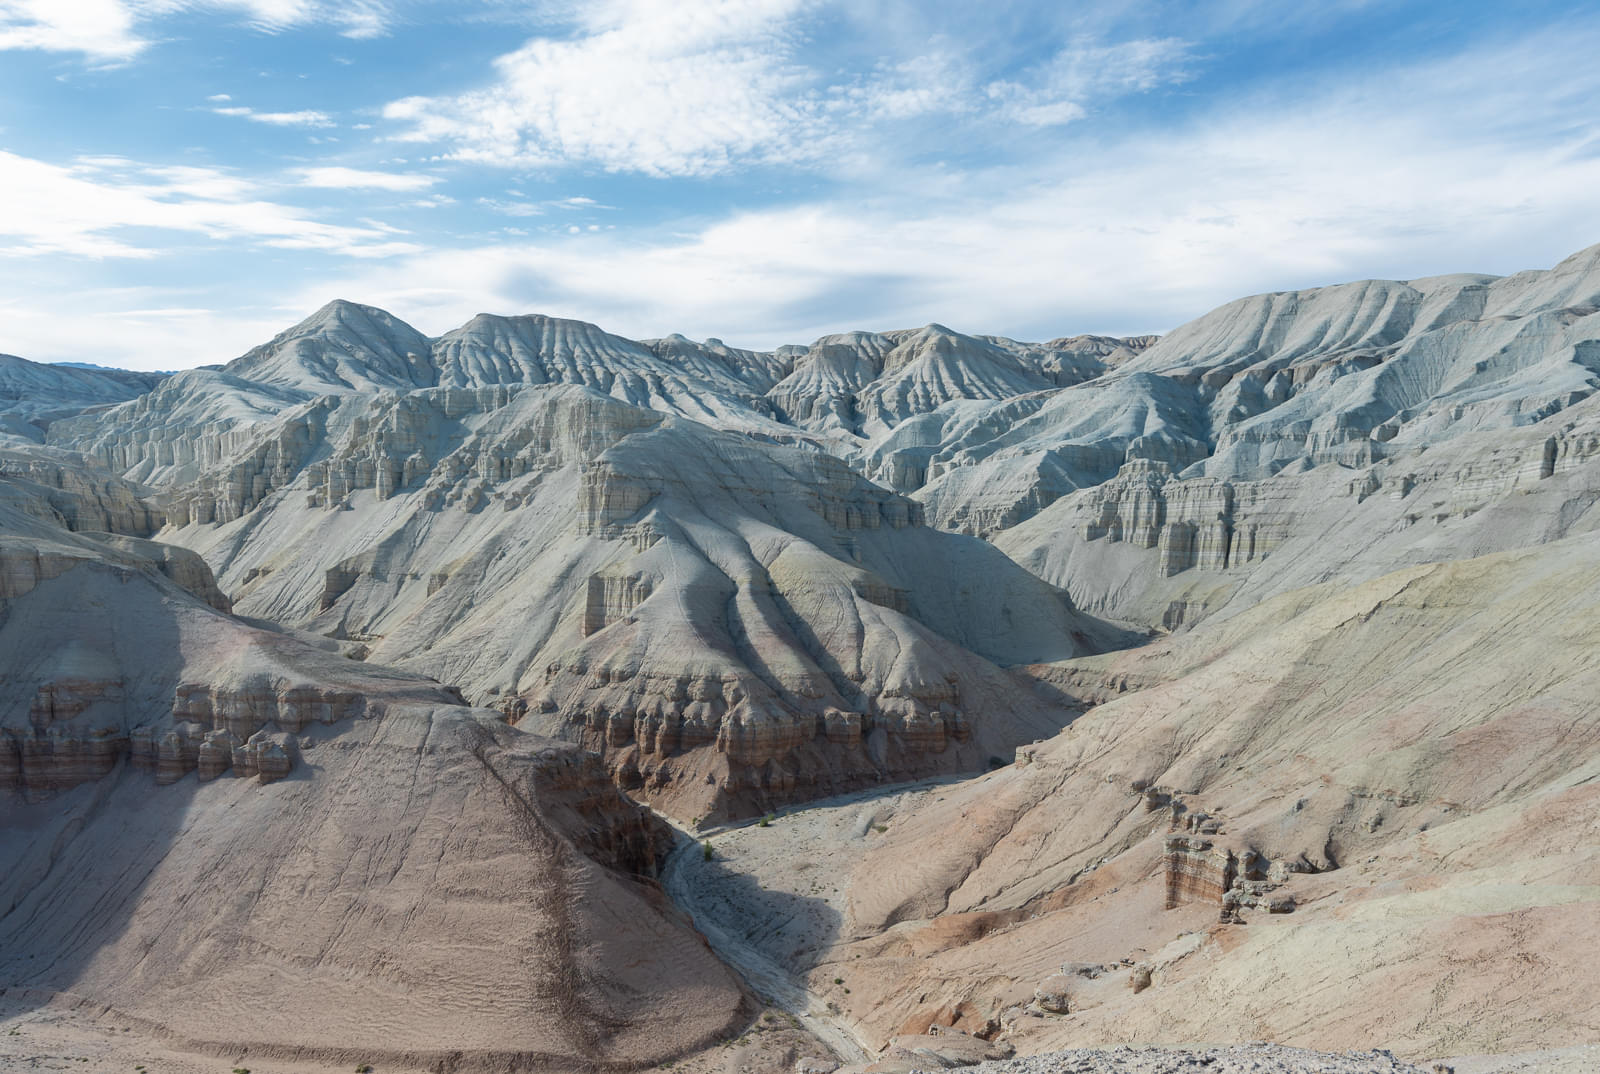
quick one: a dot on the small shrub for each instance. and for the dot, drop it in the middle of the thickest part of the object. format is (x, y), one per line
(364, 1068)
(241, 1070)
(838, 980)
(766, 821)
(706, 853)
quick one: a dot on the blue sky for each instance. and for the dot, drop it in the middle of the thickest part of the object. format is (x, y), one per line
(181, 179)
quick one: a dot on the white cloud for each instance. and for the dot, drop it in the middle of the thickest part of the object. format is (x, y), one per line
(112, 31)
(304, 118)
(89, 210)
(100, 29)
(340, 178)
(1331, 182)
(664, 89)
(700, 89)
(219, 98)
(363, 24)
(354, 18)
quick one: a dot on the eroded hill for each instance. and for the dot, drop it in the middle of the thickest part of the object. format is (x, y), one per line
(1278, 630)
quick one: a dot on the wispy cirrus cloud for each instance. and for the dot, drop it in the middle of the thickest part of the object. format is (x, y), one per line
(115, 31)
(92, 207)
(1062, 89)
(691, 91)
(779, 168)
(1278, 189)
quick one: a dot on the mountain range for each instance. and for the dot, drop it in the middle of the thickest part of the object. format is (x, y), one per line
(339, 678)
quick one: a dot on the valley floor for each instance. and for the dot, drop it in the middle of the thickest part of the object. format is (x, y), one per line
(773, 899)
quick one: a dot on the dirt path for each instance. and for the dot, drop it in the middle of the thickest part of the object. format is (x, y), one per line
(771, 981)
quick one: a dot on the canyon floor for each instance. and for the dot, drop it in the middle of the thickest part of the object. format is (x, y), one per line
(775, 893)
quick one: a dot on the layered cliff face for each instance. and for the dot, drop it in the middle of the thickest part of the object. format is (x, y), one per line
(120, 649)
(1378, 376)
(60, 488)
(1353, 430)
(727, 553)
(1150, 546)
(732, 623)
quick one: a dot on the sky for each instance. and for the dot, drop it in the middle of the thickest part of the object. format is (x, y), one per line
(182, 179)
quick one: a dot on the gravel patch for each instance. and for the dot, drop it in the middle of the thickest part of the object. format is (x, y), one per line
(1235, 1059)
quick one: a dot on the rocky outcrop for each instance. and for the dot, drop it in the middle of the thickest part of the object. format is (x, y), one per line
(215, 754)
(193, 423)
(991, 466)
(212, 730)
(245, 709)
(40, 762)
(269, 463)
(182, 566)
(1203, 524)
(608, 827)
(58, 488)
(611, 497)
(1196, 870)
(24, 566)
(612, 597)
(269, 755)
(1155, 547)
(1204, 869)
(1202, 865)
(249, 729)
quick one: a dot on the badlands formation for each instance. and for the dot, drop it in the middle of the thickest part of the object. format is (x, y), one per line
(1232, 686)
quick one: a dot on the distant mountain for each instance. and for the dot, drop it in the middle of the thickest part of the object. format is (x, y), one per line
(33, 394)
(112, 368)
